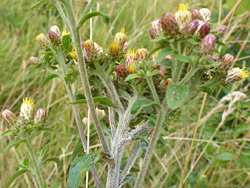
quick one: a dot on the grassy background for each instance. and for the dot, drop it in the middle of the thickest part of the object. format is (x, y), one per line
(18, 79)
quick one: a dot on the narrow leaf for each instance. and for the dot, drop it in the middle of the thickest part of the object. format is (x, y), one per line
(132, 76)
(153, 51)
(182, 58)
(224, 156)
(67, 43)
(37, 4)
(53, 159)
(57, 185)
(50, 77)
(106, 101)
(105, 17)
(176, 95)
(162, 54)
(14, 143)
(15, 176)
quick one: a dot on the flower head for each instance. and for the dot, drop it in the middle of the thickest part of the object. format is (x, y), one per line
(85, 121)
(169, 25)
(190, 29)
(73, 54)
(129, 57)
(54, 38)
(41, 116)
(206, 14)
(9, 117)
(34, 60)
(121, 71)
(220, 31)
(114, 49)
(236, 74)
(131, 68)
(196, 15)
(156, 29)
(208, 44)
(56, 30)
(204, 30)
(226, 62)
(183, 16)
(43, 41)
(121, 37)
(142, 53)
(27, 109)
(92, 49)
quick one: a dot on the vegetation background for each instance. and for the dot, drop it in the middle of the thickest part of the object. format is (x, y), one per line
(224, 162)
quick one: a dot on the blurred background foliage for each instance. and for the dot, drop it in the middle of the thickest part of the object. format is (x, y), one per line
(226, 160)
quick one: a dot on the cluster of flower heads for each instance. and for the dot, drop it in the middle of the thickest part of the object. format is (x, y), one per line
(27, 115)
(183, 25)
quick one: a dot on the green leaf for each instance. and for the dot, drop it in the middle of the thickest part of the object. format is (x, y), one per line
(79, 165)
(224, 156)
(105, 17)
(128, 178)
(53, 159)
(67, 43)
(26, 161)
(50, 77)
(166, 63)
(78, 149)
(162, 54)
(176, 95)
(49, 6)
(214, 64)
(37, 4)
(57, 185)
(160, 38)
(15, 143)
(132, 76)
(220, 43)
(182, 58)
(106, 101)
(192, 41)
(44, 151)
(155, 72)
(140, 104)
(15, 176)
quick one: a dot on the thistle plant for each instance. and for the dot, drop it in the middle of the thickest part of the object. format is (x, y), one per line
(139, 89)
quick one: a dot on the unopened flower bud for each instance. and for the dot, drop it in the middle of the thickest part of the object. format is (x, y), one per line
(43, 41)
(9, 117)
(54, 38)
(121, 71)
(200, 23)
(100, 113)
(129, 57)
(206, 14)
(190, 29)
(220, 31)
(27, 109)
(156, 29)
(169, 25)
(56, 30)
(226, 62)
(195, 14)
(41, 116)
(236, 74)
(142, 53)
(85, 121)
(208, 44)
(204, 30)
(34, 60)
(121, 38)
(183, 16)
(114, 49)
(92, 49)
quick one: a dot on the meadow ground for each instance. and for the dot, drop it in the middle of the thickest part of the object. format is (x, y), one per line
(221, 155)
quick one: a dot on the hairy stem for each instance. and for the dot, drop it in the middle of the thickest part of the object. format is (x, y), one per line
(34, 162)
(188, 76)
(177, 71)
(84, 75)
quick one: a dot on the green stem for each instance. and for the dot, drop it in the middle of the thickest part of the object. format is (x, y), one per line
(177, 71)
(84, 75)
(34, 162)
(211, 82)
(153, 90)
(188, 76)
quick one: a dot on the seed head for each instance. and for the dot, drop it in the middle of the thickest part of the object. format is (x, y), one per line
(27, 109)
(9, 117)
(41, 116)
(85, 121)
